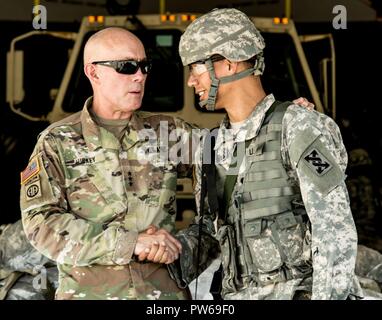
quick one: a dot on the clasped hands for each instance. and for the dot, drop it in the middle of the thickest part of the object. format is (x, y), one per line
(157, 245)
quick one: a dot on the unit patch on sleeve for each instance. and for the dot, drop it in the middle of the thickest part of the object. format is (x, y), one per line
(31, 170)
(317, 162)
(33, 190)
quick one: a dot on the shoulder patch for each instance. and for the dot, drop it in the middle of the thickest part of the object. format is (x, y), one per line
(33, 190)
(319, 168)
(317, 162)
(30, 171)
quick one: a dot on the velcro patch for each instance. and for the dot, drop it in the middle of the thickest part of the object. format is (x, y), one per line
(317, 162)
(33, 190)
(80, 161)
(30, 171)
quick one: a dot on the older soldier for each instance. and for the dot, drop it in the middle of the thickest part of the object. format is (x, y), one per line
(286, 230)
(86, 200)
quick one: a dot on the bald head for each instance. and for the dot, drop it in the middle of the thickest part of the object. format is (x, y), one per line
(116, 95)
(111, 44)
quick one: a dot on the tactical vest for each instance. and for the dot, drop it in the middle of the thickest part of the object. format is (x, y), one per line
(266, 217)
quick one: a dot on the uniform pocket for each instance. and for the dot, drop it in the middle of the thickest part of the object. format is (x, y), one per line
(291, 243)
(226, 238)
(91, 196)
(275, 241)
(156, 186)
(264, 252)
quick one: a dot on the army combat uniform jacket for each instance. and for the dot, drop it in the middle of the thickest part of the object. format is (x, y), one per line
(85, 196)
(289, 227)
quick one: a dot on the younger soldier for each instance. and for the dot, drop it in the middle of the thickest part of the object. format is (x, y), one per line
(286, 229)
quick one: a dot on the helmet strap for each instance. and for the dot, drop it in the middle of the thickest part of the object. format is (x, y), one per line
(209, 104)
(237, 76)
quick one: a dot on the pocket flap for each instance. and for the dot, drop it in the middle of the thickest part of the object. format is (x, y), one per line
(252, 229)
(286, 220)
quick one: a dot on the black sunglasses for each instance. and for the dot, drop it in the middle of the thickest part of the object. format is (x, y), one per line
(127, 66)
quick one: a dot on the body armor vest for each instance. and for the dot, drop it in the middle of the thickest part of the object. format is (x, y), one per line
(266, 217)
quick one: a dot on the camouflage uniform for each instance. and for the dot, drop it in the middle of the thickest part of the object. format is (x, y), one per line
(288, 232)
(25, 274)
(85, 197)
(330, 244)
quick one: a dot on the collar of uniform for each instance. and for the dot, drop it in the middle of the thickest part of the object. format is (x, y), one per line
(250, 128)
(91, 131)
(132, 131)
(225, 141)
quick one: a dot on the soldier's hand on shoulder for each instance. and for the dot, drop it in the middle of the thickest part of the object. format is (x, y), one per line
(303, 102)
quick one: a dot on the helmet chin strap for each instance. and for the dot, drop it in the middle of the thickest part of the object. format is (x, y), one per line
(209, 104)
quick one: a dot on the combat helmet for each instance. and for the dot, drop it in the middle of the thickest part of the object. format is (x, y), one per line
(225, 32)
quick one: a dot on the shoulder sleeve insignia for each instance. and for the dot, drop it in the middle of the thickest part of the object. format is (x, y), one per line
(317, 162)
(33, 190)
(31, 170)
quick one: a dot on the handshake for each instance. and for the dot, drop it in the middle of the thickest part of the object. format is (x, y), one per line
(157, 245)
